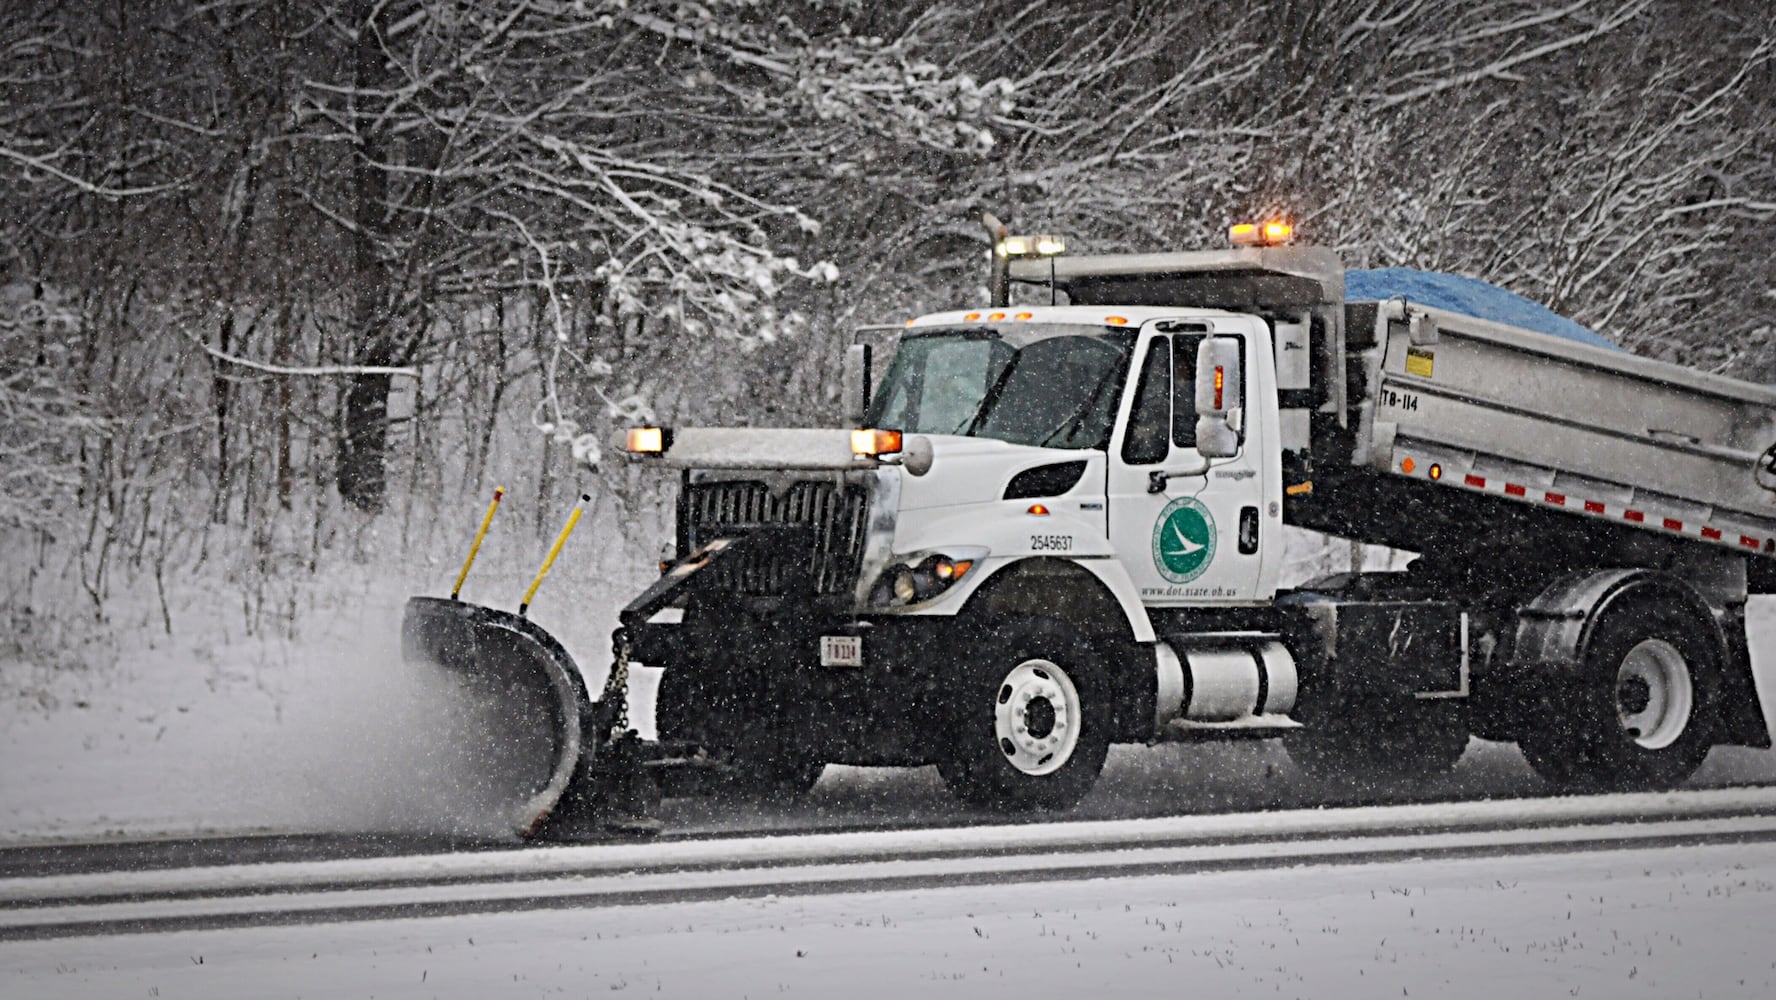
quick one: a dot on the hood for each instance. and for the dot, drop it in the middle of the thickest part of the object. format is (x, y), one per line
(967, 470)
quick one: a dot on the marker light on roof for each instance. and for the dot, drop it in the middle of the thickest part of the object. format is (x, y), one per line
(1267, 234)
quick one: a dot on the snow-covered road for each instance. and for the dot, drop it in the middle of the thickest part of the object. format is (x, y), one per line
(1166, 880)
(1565, 897)
(128, 899)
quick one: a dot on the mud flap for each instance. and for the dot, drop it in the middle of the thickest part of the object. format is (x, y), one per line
(520, 669)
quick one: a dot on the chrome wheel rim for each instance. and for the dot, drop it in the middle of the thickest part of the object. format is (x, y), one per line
(1654, 694)
(1037, 717)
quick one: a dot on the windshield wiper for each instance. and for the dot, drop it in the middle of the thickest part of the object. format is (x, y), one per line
(1076, 419)
(990, 399)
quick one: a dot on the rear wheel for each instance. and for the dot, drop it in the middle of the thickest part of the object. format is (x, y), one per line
(692, 706)
(1033, 721)
(1640, 713)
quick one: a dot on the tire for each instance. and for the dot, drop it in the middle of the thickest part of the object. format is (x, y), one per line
(1641, 712)
(1372, 752)
(1032, 720)
(691, 706)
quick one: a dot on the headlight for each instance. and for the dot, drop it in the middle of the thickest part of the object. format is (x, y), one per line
(923, 577)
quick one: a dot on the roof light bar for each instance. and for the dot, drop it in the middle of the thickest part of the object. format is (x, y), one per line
(1031, 246)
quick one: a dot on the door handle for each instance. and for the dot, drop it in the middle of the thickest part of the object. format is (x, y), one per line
(1158, 480)
(1248, 534)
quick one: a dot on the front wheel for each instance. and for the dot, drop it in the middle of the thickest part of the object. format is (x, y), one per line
(1033, 719)
(1640, 712)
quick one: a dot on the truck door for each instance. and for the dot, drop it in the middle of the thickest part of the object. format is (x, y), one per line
(1199, 538)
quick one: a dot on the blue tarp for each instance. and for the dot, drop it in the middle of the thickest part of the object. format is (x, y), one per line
(1467, 296)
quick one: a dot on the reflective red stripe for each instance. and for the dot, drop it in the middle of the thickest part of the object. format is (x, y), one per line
(1630, 514)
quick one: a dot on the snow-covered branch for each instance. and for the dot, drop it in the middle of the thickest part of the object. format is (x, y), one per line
(310, 371)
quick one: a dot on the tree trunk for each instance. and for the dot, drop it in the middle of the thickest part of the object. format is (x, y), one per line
(363, 472)
(364, 426)
(221, 392)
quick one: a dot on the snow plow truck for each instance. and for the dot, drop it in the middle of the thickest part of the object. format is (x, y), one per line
(1050, 528)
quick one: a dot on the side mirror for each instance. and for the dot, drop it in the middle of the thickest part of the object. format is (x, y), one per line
(854, 383)
(1218, 397)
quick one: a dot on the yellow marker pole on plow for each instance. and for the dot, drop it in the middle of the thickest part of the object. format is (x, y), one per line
(555, 550)
(486, 520)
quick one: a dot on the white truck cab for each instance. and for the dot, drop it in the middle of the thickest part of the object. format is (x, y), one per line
(997, 396)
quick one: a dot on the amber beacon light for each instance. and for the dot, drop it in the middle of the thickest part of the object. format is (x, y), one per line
(646, 440)
(1273, 232)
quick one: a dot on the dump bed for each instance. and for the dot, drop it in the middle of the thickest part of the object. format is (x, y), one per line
(1449, 429)
(1475, 405)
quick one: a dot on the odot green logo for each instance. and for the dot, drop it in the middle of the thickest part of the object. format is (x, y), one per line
(1183, 540)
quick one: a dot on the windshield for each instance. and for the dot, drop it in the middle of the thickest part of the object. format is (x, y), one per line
(1048, 385)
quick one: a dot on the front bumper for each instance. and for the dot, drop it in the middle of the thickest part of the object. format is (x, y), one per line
(894, 709)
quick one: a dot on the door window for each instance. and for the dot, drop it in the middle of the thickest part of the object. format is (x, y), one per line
(1151, 416)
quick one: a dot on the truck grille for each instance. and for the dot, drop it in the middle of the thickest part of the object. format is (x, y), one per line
(835, 513)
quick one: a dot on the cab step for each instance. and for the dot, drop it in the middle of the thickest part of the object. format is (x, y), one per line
(1252, 727)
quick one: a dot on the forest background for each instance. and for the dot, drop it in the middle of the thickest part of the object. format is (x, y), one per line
(286, 286)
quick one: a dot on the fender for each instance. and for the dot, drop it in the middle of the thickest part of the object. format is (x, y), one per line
(1013, 536)
(1554, 630)
(1106, 571)
(1554, 634)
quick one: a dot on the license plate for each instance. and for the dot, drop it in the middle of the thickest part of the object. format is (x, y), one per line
(841, 651)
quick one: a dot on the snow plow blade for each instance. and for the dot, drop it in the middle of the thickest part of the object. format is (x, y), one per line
(537, 700)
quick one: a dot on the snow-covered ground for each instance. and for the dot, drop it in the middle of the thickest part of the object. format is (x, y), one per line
(1632, 923)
